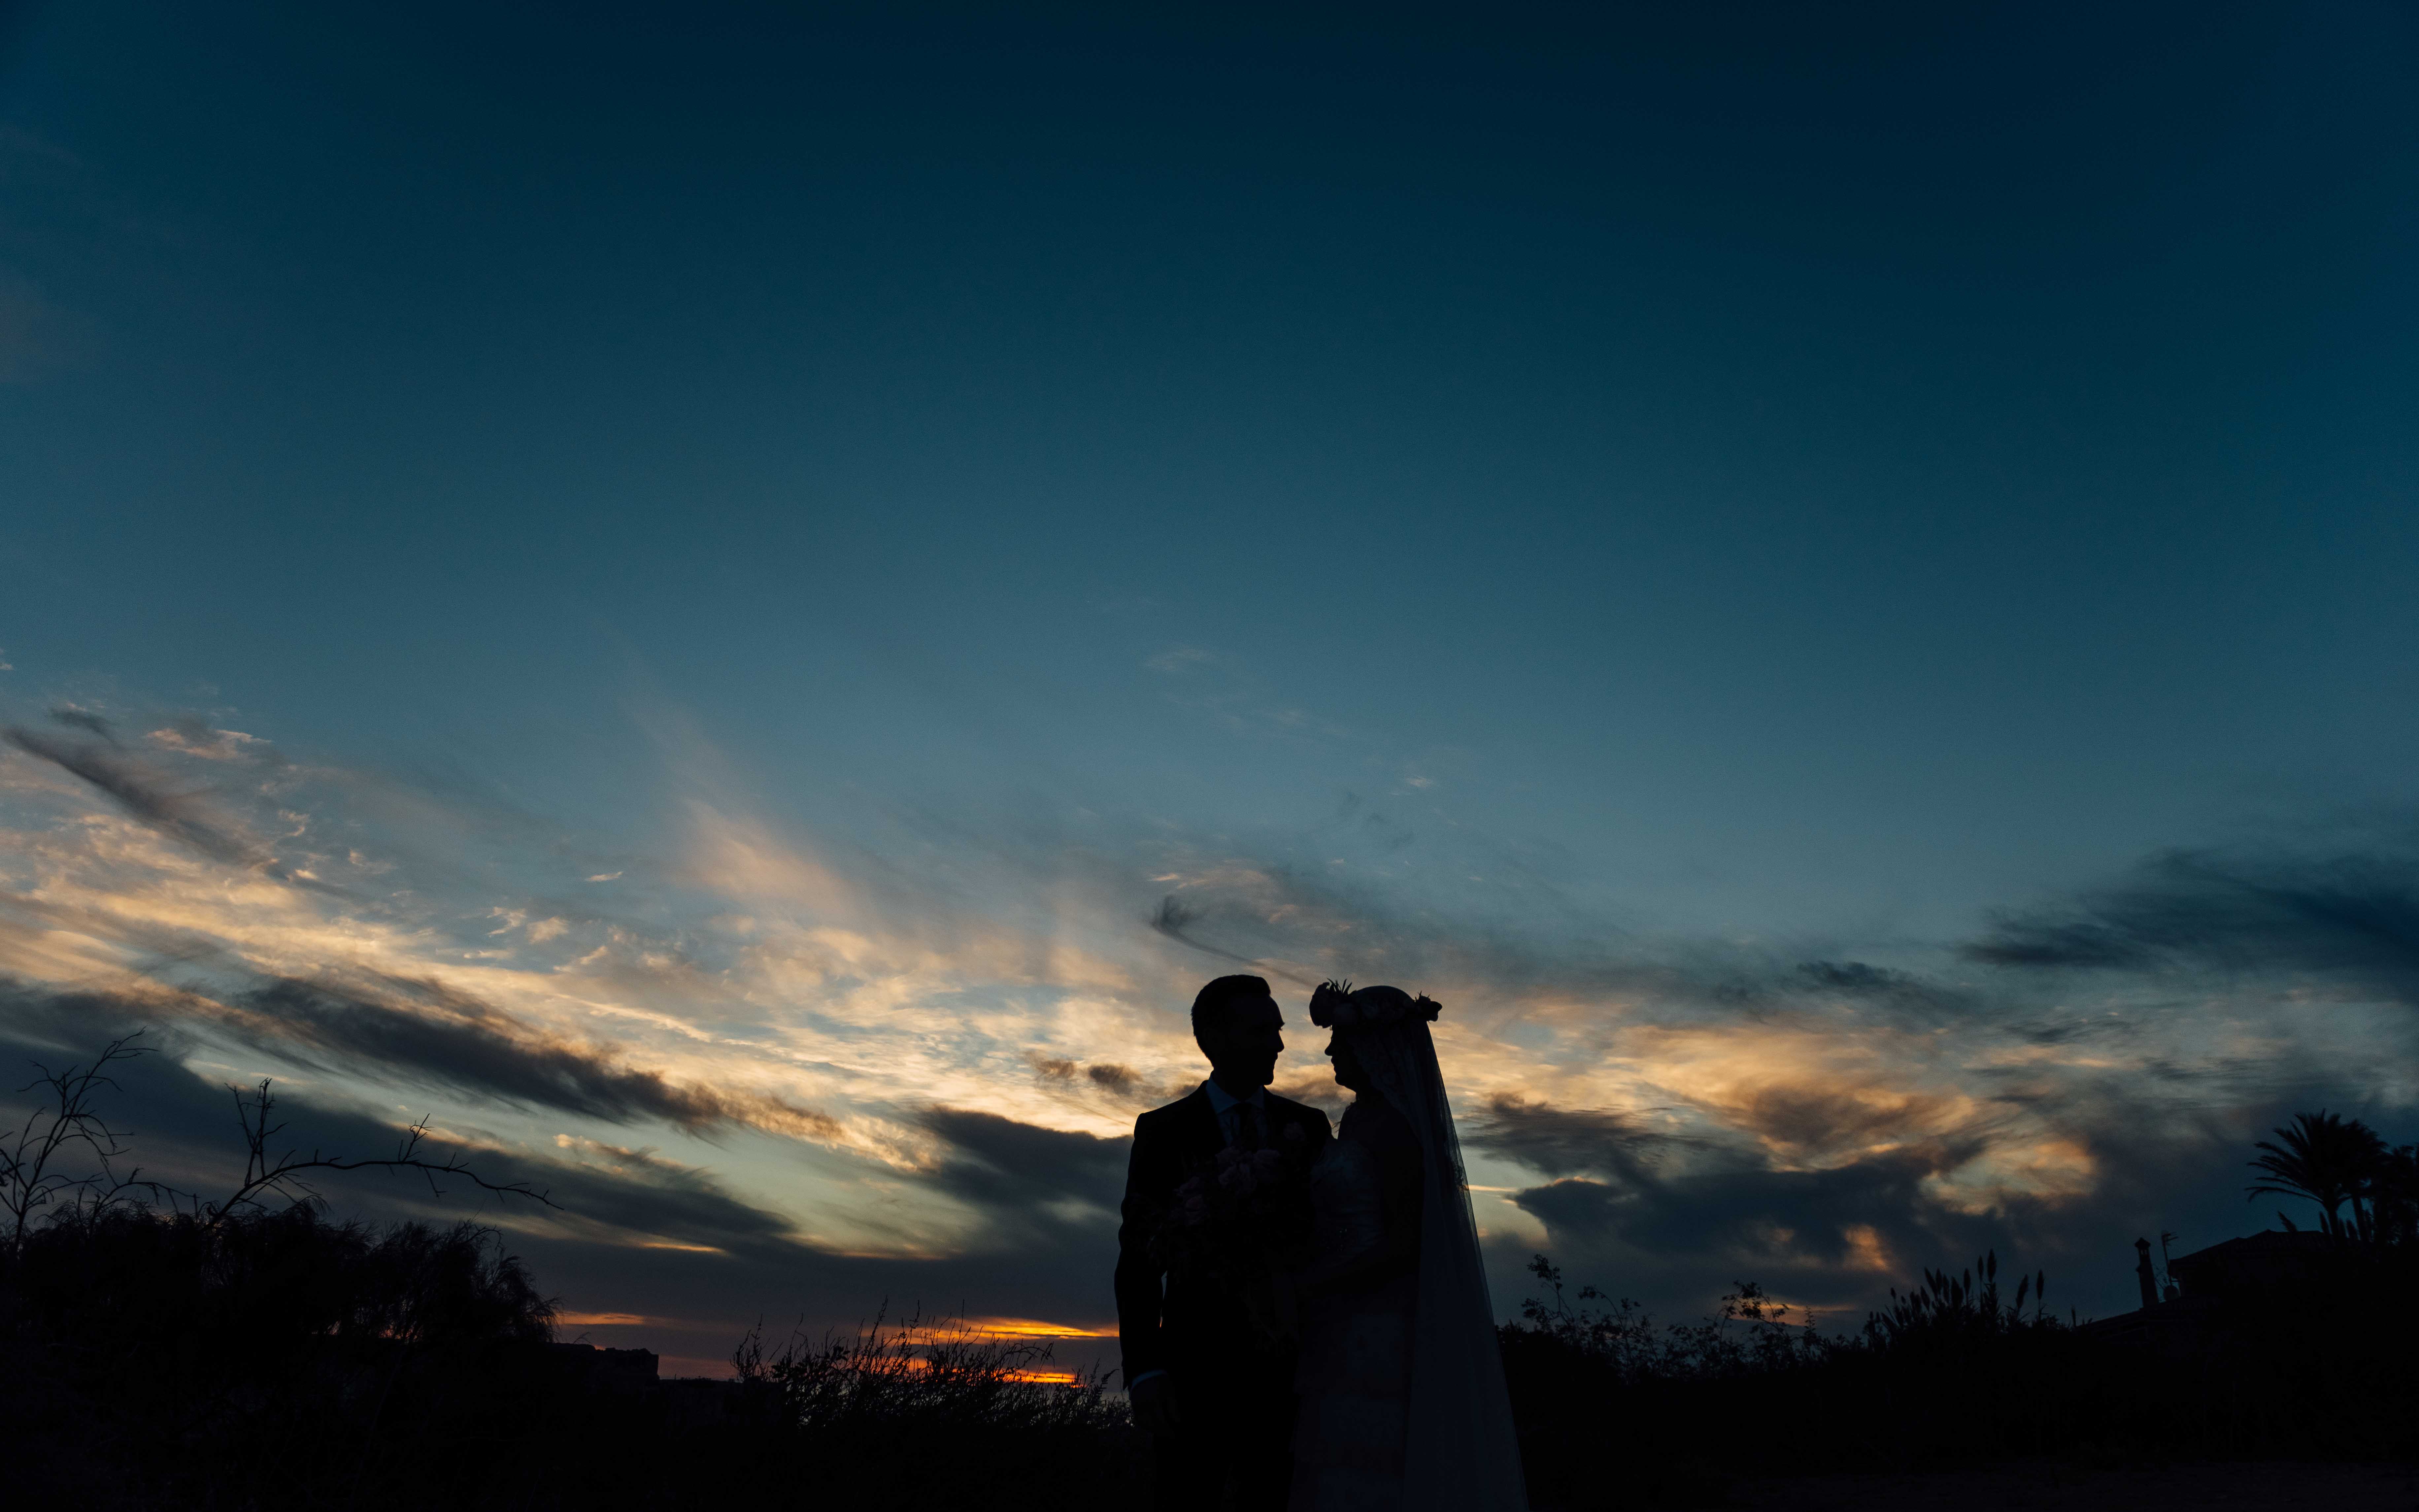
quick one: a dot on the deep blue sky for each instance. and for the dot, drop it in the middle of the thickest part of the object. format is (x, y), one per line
(1777, 477)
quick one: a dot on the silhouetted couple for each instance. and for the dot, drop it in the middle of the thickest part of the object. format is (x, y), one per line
(1304, 1318)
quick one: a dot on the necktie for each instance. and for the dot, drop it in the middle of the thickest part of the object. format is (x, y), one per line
(1247, 1126)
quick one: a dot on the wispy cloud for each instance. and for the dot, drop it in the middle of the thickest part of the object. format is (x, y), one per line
(813, 1055)
(192, 876)
(424, 1029)
(139, 791)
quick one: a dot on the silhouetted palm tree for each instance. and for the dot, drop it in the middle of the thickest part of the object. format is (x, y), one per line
(2330, 1160)
(2394, 1196)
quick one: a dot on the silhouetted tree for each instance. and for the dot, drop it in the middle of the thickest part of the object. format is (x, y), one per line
(2392, 1194)
(35, 1175)
(166, 1351)
(2329, 1159)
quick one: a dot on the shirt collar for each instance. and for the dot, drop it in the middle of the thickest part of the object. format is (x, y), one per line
(1221, 1099)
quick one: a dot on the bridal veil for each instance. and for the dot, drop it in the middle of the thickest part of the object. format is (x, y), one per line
(1461, 1450)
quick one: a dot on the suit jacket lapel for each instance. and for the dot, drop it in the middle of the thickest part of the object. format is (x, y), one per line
(1201, 1124)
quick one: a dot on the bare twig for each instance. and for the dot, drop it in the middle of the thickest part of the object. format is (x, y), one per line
(36, 1174)
(265, 1175)
(32, 1172)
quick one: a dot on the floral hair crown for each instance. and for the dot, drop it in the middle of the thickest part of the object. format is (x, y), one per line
(1336, 1006)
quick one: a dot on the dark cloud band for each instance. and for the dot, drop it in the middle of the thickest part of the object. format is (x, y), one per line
(2347, 917)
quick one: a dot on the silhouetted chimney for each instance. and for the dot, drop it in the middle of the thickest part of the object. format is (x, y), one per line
(2143, 1272)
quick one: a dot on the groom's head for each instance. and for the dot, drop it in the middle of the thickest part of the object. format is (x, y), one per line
(1237, 1025)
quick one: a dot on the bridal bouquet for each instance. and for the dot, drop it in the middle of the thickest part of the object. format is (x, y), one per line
(1237, 1224)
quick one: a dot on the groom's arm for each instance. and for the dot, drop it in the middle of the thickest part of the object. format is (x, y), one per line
(1140, 1296)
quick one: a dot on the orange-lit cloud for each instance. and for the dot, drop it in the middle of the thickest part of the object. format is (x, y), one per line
(1032, 1328)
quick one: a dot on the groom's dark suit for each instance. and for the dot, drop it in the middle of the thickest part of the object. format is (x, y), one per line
(1236, 1401)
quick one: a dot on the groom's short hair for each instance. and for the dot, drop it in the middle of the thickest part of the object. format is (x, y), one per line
(1214, 1000)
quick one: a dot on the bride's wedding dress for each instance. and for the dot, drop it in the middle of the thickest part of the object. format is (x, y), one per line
(1355, 1376)
(1401, 1387)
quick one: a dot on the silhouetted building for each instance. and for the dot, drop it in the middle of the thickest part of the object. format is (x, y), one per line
(2204, 1287)
(616, 1371)
(691, 1400)
(2271, 1264)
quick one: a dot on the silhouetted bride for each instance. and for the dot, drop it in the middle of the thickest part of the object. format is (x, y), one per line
(1402, 1401)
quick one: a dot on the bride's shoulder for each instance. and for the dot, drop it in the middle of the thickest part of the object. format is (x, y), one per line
(1379, 1122)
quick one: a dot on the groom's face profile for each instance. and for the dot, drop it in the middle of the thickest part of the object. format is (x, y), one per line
(1243, 1040)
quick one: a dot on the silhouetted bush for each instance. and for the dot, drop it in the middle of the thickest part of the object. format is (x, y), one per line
(1952, 1374)
(169, 1358)
(158, 1350)
(942, 1416)
(157, 1359)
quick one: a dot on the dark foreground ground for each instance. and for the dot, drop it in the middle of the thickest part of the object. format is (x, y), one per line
(2060, 1487)
(253, 1361)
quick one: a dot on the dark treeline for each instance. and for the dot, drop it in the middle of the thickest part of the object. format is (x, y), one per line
(163, 1349)
(157, 1359)
(1958, 1373)
(243, 1354)
(2296, 1344)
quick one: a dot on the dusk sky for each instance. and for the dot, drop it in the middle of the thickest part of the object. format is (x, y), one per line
(737, 603)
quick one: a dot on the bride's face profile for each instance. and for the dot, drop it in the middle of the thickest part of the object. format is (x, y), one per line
(1348, 1074)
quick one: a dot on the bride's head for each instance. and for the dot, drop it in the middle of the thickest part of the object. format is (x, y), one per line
(1350, 1074)
(1351, 1015)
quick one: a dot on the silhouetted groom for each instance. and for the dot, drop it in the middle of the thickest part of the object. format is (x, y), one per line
(1209, 1384)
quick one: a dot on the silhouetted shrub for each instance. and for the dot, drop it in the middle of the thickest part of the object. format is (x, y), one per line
(1952, 1374)
(159, 1349)
(941, 1415)
(156, 1359)
(179, 1357)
